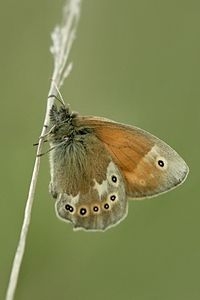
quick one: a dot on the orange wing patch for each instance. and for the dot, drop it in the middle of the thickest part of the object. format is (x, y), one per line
(130, 151)
(128, 147)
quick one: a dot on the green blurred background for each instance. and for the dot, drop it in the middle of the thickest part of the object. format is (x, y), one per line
(136, 62)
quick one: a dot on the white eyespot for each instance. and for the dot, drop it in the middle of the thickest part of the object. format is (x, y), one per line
(114, 180)
(106, 206)
(113, 174)
(161, 163)
(96, 209)
(83, 211)
(70, 208)
(112, 197)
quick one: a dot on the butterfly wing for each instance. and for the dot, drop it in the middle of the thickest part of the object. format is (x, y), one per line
(87, 185)
(103, 206)
(149, 166)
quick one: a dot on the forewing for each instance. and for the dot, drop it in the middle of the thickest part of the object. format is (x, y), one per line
(149, 166)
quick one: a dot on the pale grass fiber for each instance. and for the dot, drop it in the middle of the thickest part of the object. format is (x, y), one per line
(62, 38)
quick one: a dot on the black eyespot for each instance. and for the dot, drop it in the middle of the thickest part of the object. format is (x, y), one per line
(112, 197)
(114, 178)
(69, 208)
(95, 208)
(83, 211)
(161, 163)
(106, 206)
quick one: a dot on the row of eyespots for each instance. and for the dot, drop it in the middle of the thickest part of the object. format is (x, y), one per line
(83, 211)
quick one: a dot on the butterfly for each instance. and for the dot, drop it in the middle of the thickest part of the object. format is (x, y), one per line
(96, 164)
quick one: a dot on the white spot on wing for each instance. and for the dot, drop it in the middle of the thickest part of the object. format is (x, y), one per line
(69, 198)
(163, 162)
(74, 200)
(101, 188)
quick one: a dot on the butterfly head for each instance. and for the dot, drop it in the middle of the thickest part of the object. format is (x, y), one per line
(61, 123)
